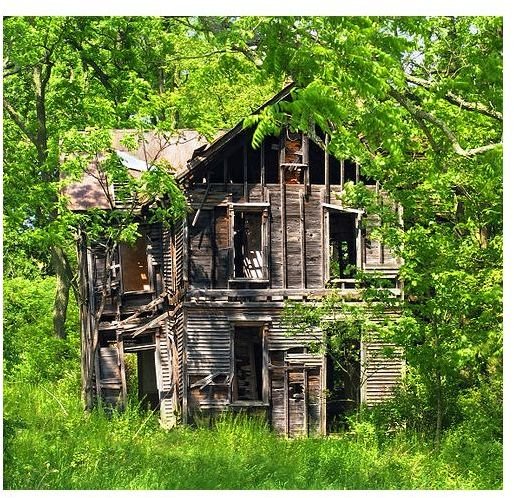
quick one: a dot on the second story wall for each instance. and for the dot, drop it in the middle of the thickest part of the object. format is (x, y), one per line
(272, 218)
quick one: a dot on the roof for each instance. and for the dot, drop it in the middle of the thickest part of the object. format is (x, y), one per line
(176, 149)
(209, 152)
(184, 151)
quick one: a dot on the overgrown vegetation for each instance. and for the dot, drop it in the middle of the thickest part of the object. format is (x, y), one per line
(50, 442)
(415, 101)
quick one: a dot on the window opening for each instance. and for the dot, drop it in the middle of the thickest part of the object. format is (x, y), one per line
(316, 164)
(134, 266)
(342, 245)
(271, 155)
(248, 250)
(293, 148)
(334, 171)
(235, 166)
(253, 170)
(248, 356)
(350, 172)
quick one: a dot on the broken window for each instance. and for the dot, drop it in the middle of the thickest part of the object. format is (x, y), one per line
(342, 245)
(249, 235)
(248, 354)
(134, 266)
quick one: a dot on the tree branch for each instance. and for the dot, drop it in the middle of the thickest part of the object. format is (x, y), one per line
(418, 113)
(457, 100)
(19, 121)
(405, 103)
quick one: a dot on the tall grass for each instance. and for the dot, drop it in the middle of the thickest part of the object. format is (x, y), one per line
(50, 443)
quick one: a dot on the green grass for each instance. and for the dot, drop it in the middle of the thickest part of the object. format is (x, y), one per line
(50, 443)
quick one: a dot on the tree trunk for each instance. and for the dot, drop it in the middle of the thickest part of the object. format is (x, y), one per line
(439, 410)
(438, 393)
(64, 277)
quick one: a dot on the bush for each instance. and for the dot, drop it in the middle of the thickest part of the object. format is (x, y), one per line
(31, 352)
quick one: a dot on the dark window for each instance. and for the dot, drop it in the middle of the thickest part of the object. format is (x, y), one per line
(342, 245)
(134, 266)
(253, 168)
(271, 153)
(350, 171)
(236, 166)
(248, 246)
(217, 173)
(334, 171)
(247, 384)
(316, 164)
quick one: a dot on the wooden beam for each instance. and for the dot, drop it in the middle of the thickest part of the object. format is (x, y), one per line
(185, 387)
(214, 249)
(121, 365)
(283, 224)
(263, 171)
(327, 170)
(144, 309)
(242, 293)
(303, 268)
(247, 206)
(323, 396)
(286, 401)
(195, 219)
(305, 160)
(150, 324)
(265, 361)
(185, 252)
(245, 171)
(305, 401)
(358, 242)
(343, 209)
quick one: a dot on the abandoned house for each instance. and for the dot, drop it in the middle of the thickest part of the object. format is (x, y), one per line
(198, 306)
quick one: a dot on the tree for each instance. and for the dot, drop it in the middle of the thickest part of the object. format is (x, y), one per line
(417, 103)
(63, 74)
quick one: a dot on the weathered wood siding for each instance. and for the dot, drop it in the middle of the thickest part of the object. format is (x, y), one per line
(209, 336)
(297, 231)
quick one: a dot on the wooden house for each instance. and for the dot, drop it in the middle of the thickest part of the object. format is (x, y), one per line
(199, 305)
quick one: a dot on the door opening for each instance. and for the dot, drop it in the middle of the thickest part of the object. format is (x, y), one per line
(141, 378)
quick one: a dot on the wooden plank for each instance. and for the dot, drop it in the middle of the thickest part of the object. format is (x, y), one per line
(327, 170)
(303, 268)
(263, 171)
(121, 362)
(144, 309)
(323, 396)
(185, 386)
(150, 324)
(245, 171)
(341, 208)
(299, 292)
(358, 243)
(283, 215)
(265, 362)
(286, 401)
